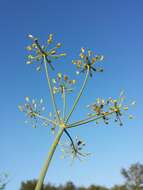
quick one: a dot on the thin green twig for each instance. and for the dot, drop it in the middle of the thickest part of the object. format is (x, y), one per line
(64, 103)
(78, 97)
(51, 91)
(45, 118)
(89, 120)
(86, 119)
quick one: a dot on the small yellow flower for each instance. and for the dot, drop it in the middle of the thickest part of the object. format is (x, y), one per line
(29, 48)
(50, 39)
(54, 90)
(53, 52)
(89, 53)
(73, 81)
(65, 77)
(81, 55)
(63, 54)
(58, 45)
(59, 75)
(93, 59)
(126, 108)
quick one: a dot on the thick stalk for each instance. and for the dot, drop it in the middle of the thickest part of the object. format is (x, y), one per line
(78, 97)
(51, 90)
(47, 163)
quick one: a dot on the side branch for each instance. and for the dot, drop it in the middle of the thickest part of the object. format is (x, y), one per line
(51, 91)
(64, 103)
(45, 118)
(78, 97)
(82, 122)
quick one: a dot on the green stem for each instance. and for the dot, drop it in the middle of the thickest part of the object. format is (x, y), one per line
(78, 97)
(45, 118)
(89, 120)
(64, 103)
(51, 90)
(83, 120)
(47, 163)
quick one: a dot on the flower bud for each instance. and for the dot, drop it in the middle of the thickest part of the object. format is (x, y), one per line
(58, 45)
(31, 36)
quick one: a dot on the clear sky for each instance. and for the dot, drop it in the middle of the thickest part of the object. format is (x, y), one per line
(113, 28)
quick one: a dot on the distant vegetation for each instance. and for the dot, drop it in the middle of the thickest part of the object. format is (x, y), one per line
(3, 180)
(31, 184)
(133, 181)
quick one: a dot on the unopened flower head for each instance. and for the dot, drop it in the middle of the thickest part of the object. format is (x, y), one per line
(87, 62)
(40, 53)
(32, 108)
(63, 84)
(30, 36)
(74, 149)
(104, 108)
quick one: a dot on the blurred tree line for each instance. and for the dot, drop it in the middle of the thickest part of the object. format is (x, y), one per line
(133, 177)
(30, 185)
(133, 180)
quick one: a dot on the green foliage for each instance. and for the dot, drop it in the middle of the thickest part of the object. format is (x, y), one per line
(3, 181)
(93, 187)
(29, 185)
(119, 187)
(134, 176)
(50, 187)
(69, 186)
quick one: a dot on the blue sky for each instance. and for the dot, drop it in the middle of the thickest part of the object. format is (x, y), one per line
(112, 28)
